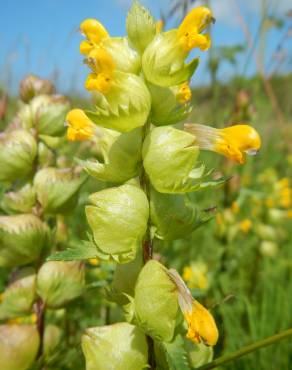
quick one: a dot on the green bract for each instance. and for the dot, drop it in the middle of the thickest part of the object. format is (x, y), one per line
(122, 159)
(18, 346)
(22, 239)
(126, 59)
(21, 201)
(165, 109)
(59, 282)
(32, 85)
(17, 154)
(46, 113)
(118, 218)
(169, 157)
(141, 26)
(163, 61)
(19, 296)
(124, 280)
(198, 354)
(57, 189)
(125, 107)
(154, 307)
(120, 347)
(173, 216)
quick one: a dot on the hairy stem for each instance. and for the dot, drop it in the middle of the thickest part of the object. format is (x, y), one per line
(247, 349)
(147, 243)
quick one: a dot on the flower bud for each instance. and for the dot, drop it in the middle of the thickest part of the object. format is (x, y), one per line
(109, 212)
(20, 201)
(169, 157)
(59, 282)
(46, 114)
(57, 189)
(52, 338)
(22, 239)
(169, 105)
(155, 305)
(19, 296)
(124, 106)
(17, 154)
(141, 26)
(103, 350)
(121, 158)
(32, 85)
(18, 346)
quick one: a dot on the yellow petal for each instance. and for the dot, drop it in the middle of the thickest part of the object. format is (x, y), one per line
(93, 30)
(98, 82)
(79, 126)
(101, 61)
(198, 18)
(201, 325)
(85, 47)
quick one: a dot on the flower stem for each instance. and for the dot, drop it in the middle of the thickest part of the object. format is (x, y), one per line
(147, 243)
(247, 349)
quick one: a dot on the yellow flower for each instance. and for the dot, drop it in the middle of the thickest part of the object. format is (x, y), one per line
(31, 319)
(245, 225)
(184, 93)
(79, 125)
(201, 324)
(189, 31)
(285, 197)
(93, 261)
(289, 213)
(233, 142)
(187, 273)
(103, 66)
(93, 30)
(283, 183)
(234, 207)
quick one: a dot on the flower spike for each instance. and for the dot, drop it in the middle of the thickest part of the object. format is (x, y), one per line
(234, 142)
(201, 324)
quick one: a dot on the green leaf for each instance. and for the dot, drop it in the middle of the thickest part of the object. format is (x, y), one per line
(176, 354)
(83, 251)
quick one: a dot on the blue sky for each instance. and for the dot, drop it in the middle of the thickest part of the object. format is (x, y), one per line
(41, 37)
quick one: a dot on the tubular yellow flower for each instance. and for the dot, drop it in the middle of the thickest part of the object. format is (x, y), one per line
(79, 126)
(184, 93)
(93, 30)
(201, 324)
(234, 207)
(189, 32)
(233, 142)
(103, 66)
